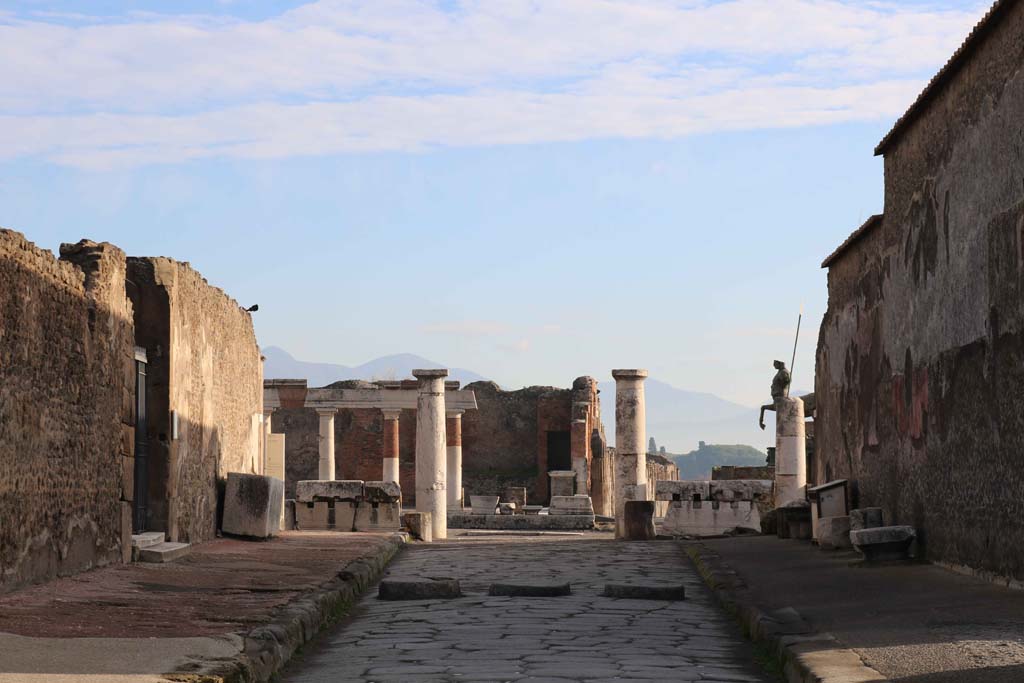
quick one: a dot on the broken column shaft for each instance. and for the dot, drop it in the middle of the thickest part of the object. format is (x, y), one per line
(431, 458)
(790, 451)
(454, 440)
(391, 446)
(630, 442)
(326, 472)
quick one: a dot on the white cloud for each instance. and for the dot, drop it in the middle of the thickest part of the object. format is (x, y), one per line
(364, 75)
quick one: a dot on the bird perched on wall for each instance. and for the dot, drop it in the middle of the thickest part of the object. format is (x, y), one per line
(253, 308)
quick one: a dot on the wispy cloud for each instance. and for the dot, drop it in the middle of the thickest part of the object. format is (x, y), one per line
(365, 75)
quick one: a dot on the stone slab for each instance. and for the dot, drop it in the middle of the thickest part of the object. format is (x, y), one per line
(313, 490)
(645, 591)
(148, 538)
(710, 518)
(571, 505)
(419, 589)
(866, 518)
(164, 552)
(378, 516)
(530, 590)
(527, 522)
(382, 492)
(321, 516)
(884, 544)
(834, 533)
(253, 505)
(484, 505)
(418, 525)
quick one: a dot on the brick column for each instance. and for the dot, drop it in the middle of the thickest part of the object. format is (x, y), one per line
(454, 439)
(391, 445)
(630, 442)
(431, 459)
(326, 443)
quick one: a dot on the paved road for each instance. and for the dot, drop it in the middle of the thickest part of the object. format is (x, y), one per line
(582, 637)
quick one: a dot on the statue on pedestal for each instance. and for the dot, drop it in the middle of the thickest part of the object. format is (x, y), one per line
(780, 388)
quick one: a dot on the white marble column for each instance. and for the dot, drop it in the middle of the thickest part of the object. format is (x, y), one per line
(454, 441)
(790, 451)
(326, 443)
(431, 458)
(267, 431)
(630, 442)
(391, 445)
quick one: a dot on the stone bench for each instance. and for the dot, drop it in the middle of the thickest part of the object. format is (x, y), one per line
(884, 543)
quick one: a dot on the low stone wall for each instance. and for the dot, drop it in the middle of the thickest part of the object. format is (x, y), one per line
(66, 386)
(521, 522)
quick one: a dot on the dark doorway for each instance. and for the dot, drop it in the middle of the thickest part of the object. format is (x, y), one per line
(141, 474)
(559, 454)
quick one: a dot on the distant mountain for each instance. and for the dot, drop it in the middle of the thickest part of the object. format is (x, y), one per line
(282, 365)
(680, 419)
(698, 464)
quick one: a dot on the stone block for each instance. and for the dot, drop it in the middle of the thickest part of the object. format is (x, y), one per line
(484, 505)
(252, 505)
(419, 589)
(457, 520)
(289, 514)
(866, 518)
(563, 483)
(885, 543)
(834, 533)
(740, 489)
(164, 552)
(710, 518)
(321, 516)
(532, 509)
(571, 505)
(514, 494)
(418, 525)
(639, 521)
(506, 508)
(382, 492)
(530, 590)
(312, 491)
(378, 516)
(669, 592)
(682, 490)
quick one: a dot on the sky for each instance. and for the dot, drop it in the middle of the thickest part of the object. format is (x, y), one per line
(532, 189)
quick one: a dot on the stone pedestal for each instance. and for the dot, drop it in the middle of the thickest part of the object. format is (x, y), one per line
(253, 505)
(630, 442)
(390, 468)
(563, 483)
(454, 442)
(790, 451)
(638, 521)
(326, 472)
(431, 456)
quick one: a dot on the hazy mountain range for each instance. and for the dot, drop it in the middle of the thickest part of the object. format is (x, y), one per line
(678, 419)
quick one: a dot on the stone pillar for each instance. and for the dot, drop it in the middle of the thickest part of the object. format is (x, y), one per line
(431, 459)
(630, 442)
(454, 440)
(326, 443)
(790, 451)
(391, 445)
(579, 441)
(267, 431)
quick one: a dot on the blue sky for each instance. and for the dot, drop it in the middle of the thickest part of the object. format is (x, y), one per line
(531, 190)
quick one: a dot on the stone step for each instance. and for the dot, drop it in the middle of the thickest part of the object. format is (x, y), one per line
(148, 539)
(164, 552)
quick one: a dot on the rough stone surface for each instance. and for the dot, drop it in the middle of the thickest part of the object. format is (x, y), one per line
(378, 517)
(252, 505)
(419, 589)
(382, 492)
(530, 590)
(920, 362)
(883, 543)
(571, 505)
(579, 637)
(639, 521)
(527, 522)
(322, 515)
(484, 505)
(418, 525)
(310, 491)
(834, 533)
(66, 413)
(866, 518)
(710, 518)
(664, 592)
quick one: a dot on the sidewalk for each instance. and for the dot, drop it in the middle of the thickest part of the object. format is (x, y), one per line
(230, 609)
(914, 624)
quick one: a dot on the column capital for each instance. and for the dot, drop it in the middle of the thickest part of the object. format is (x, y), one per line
(435, 373)
(269, 411)
(454, 412)
(325, 412)
(391, 413)
(634, 373)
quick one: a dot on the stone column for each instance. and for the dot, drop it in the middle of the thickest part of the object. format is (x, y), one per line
(630, 442)
(790, 451)
(431, 459)
(267, 431)
(326, 443)
(579, 441)
(454, 440)
(391, 445)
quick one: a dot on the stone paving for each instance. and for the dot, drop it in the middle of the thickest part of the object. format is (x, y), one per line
(581, 637)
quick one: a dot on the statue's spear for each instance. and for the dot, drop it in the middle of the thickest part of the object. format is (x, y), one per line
(792, 363)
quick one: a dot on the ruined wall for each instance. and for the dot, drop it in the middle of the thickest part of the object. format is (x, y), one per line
(659, 468)
(206, 369)
(920, 363)
(66, 386)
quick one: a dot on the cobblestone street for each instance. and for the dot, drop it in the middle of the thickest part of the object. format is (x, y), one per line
(582, 637)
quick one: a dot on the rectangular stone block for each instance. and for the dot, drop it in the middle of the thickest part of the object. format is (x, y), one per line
(253, 505)
(571, 505)
(312, 491)
(563, 483)
(834, 533)
(382, 492)
(312, 516)
(418, 525)
(515, 494)
(741, 489)
(682, 490)
(378, 516)
(689, 518)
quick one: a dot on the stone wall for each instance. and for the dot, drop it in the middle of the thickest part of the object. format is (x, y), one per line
(659, 468)
(205, 375)
(66, 378)
(920, 362)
